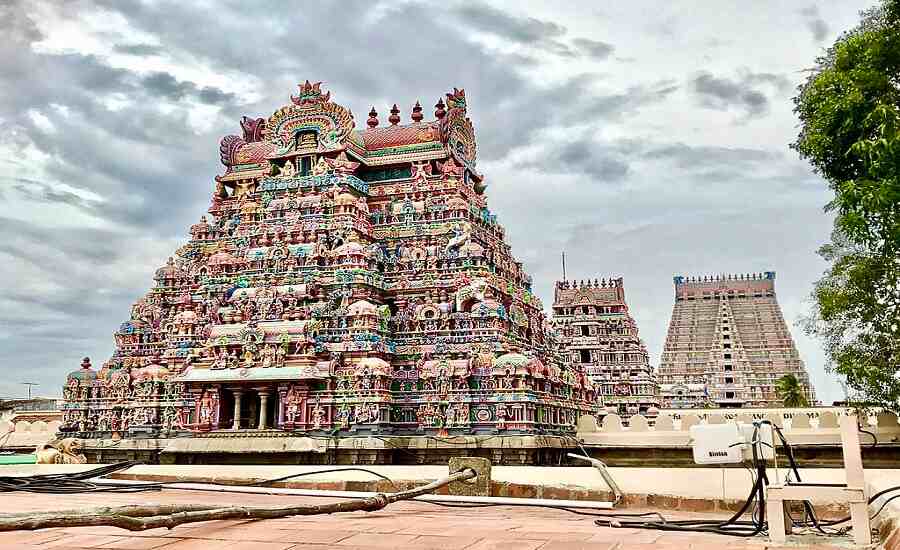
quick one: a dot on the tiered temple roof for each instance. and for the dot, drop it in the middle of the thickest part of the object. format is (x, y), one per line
(345, 280)
(598, 333)
(727, 344)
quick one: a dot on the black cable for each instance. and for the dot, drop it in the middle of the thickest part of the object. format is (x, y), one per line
(874, 438)
(167, 484)
(732, 526)
(78, 482)
(808, 509)
(68, 483)
(884, 504)
(547, 506)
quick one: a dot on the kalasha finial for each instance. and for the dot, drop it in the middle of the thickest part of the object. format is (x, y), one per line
(86, 363)
(394, 119)
(373, 118)
(417, 112)
(439, 111)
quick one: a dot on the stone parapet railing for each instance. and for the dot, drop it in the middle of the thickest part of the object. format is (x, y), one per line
(24, 435)
(810, 426)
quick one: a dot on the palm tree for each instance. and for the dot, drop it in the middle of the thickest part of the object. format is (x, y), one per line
(790, 391)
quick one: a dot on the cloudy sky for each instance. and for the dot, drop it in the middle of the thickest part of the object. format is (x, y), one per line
(646, 139)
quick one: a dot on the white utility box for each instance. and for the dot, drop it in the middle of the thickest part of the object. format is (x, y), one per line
(730, 443)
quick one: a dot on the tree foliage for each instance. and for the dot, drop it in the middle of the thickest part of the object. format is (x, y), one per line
(849, 109)
(790, 391)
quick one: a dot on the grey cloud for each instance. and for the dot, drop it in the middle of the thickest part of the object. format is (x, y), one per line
(815, 23)
(167, 86)
(687, 156)
(603, 163)
(519, 107)
(779, 81)
(524, 30)
(41, 192)
(138, 50)
(742, 94)
(594, 48)
(515, 122)
(72, 289)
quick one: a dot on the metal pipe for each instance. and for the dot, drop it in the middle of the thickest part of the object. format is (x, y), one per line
(604, 473)
(504, 501)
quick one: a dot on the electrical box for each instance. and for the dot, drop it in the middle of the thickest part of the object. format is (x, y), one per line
(730, 443)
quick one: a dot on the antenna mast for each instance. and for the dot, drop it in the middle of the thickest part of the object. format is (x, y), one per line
(564, 264)
(30, 384)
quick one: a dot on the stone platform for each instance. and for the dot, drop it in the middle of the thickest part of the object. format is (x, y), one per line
(406, 525)
(276, 447)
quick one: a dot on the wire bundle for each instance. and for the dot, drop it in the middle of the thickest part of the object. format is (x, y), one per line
(756, 502)
(86, 481)
(69, 483)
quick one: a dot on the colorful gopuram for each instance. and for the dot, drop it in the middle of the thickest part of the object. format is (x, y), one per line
(344, 281)
(598, 334)
(727, 344)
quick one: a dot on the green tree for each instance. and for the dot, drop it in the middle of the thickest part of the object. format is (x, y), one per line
(790, 391)
(849, 108)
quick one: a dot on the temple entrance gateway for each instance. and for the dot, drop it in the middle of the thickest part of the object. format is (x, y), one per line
(246, 408)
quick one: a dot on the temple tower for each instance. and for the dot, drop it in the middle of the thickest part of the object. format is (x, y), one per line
(346, 281)
(597, 333)
(727, 344)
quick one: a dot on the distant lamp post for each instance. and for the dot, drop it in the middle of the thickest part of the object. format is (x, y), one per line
(30, 384)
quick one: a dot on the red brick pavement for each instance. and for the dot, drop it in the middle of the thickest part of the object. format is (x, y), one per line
(407, 525)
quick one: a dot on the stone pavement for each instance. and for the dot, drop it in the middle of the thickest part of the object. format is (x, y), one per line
(408, 525)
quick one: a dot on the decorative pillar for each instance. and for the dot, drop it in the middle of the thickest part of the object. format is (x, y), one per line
(237, 409)
(263, 403)
(282, 397)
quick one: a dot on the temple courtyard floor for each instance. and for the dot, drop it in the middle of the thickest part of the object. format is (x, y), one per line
(412, 525)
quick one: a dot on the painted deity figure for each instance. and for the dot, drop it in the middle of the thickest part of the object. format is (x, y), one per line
(206, 409)
(361, 413)
(318, 415)
(501, 417)
(103, 421)
(288, 170)
(450, 416)
(294, 402)
(344, 416)
(268, 356)
(249, 357)
(443, 382)
(462, 415)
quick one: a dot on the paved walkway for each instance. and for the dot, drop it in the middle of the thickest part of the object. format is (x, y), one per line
(408, 525)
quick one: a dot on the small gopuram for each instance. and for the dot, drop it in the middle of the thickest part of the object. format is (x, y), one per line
(727, 344)
(599, 335)
(344, 281)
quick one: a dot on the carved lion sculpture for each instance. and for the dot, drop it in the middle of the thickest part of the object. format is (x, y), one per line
(60, 451)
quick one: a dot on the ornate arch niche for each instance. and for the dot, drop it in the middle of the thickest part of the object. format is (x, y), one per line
(457, 130)
(312, 123)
